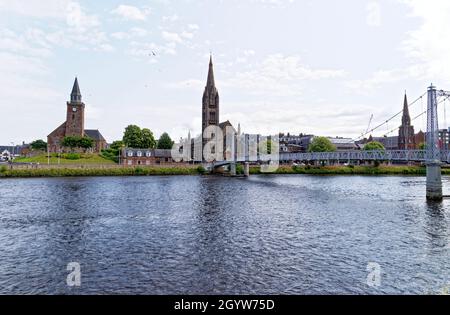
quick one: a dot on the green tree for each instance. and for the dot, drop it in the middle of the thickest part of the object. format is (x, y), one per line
(85, 143)
(422, 146)
(321, 144)
(70, 142)
(132, 136)
(374, 146)
(117, 145)
(148, 140)
(165, 142)
(73, 142)
(39, 145)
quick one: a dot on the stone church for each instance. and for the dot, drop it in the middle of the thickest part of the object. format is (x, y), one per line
(74, 125)
(210, 109)
(406, 136)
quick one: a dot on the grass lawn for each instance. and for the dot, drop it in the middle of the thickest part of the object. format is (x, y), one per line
(85, 159)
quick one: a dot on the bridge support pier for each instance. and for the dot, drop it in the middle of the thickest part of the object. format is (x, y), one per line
(247, 169)
(233, 169)
(434, 182)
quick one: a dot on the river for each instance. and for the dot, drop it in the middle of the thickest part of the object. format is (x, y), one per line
(212, 235)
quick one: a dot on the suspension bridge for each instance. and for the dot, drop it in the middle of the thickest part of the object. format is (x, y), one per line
(433, 156)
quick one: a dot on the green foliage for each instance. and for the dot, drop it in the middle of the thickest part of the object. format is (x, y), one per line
(321, 144)
(86, 143)
(239, 169)
(117, 145)
(73, 142)
(201, 170)
(374, 146)
(165, 142)
(72, 156)
(39, 145)
(3, 169)
(148, 141)
(119, 171)
(422, 146)
(132, 136)
(56, 158)
(135, 137)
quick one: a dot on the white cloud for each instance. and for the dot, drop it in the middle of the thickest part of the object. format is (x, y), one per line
(170, 18)
(132, 33)
(171, 37)
(279, 75)
(373, 14)
(78, 20)
(382, 77)
(36, 8)
(193, 27)
(129, 12)
(427, 46)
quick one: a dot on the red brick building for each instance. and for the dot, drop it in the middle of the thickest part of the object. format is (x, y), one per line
(74, 125)
(132, 157)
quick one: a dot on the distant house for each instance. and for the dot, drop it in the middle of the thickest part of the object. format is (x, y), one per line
(136, 157)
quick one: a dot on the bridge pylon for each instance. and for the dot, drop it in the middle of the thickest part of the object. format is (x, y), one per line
(433, 155)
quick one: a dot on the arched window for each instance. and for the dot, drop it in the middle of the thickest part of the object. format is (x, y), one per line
(139, 153)
(148, 154)
(130, 153)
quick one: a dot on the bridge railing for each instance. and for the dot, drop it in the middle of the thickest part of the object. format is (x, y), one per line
(389, 155)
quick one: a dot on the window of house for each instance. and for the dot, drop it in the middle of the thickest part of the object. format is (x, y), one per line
(139, 153)
(148, 154)
(130, 153)
(130, 162)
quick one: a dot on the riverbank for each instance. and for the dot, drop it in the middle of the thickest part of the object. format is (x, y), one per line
(61, 171)
(75, 172)
(352, 170)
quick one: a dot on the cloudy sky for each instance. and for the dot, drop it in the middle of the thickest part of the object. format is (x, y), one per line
(318, 66)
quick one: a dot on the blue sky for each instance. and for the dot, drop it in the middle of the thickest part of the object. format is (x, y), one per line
(320, 67)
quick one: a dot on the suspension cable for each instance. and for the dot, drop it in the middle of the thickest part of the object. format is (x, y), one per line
(391, 118)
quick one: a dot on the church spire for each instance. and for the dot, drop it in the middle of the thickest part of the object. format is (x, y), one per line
(210, 83)
(75, 96)
(406, 119)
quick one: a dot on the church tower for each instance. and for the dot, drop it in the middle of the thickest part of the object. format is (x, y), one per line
(406, 137)
(210, 108)
(75, 113)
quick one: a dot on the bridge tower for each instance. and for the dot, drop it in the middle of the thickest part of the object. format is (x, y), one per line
(433, 155)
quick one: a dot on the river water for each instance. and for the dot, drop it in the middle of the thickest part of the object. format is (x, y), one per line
(213, 235)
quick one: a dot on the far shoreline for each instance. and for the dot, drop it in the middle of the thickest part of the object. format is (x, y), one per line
(83, 171)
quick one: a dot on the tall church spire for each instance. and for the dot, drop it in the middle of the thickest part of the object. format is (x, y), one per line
(406, 135)
(406, 119)
(210, 83)
(75, 96)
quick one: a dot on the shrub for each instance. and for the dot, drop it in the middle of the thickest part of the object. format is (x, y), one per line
(201, 170)
(72, 156)
(3, 169)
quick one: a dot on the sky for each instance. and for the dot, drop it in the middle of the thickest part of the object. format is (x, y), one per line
(301, 66)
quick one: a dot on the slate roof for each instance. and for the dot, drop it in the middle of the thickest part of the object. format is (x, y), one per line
(94, 134)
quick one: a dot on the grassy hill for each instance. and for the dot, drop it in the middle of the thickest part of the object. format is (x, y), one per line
(66, 159)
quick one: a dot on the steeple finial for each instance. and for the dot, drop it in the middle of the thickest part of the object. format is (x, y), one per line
(406, 119)
(75, 96)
